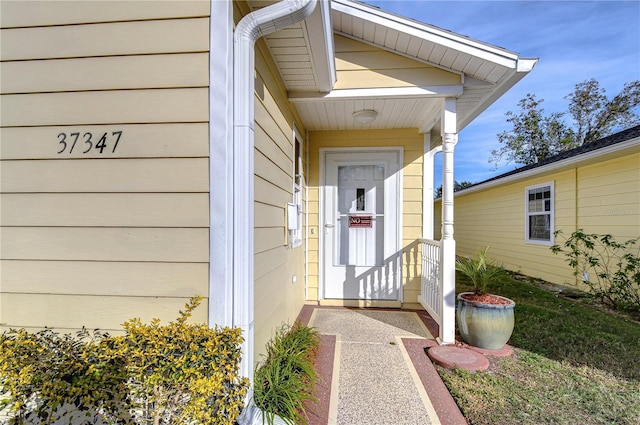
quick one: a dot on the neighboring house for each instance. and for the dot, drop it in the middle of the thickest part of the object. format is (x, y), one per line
(147, 157)
(595, 187)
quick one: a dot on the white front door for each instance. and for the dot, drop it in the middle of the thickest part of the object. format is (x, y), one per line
(360, 226)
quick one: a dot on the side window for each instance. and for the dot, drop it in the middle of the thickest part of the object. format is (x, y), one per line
(295, 210)
(540, 212)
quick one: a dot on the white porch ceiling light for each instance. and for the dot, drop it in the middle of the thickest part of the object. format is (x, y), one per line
(366, 116)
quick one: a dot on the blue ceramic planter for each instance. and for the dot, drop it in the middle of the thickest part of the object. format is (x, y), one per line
(483, 325)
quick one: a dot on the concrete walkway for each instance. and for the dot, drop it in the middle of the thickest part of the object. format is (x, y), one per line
(374, 369)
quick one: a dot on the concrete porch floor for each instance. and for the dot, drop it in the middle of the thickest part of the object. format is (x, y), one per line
(374, 370)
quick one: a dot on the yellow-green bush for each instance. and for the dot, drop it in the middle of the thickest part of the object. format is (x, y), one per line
(161, 374)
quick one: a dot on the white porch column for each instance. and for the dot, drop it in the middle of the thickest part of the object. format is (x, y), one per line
(448, 271)
(427, 186)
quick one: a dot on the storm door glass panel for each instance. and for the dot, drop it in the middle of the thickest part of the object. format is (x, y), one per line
(360, 236)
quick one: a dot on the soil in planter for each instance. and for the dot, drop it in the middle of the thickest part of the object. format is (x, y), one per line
(486, 299)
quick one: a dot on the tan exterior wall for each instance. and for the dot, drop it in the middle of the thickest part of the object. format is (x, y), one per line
(609, 197)
(94, 235)
(412, 142)
(278, 299)
(601, 198)
(359, 65)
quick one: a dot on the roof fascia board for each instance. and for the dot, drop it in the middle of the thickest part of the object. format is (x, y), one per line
(510, 80)
(395, 92)
(555, 166)
(320, 37)
(429, 33)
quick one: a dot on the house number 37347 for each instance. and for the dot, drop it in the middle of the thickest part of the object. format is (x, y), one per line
(85, 142)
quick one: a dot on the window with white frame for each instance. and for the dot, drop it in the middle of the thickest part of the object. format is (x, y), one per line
(539, 207)
(295, 212)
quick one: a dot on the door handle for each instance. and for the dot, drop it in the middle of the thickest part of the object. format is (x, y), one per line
(329, 225)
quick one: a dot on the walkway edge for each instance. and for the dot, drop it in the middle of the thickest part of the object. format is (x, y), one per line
(442, 401)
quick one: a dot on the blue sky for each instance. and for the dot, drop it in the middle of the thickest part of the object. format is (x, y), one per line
(574, 40)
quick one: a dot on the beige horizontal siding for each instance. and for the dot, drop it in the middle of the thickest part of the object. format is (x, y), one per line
(267, 193)
(267, 238)
(266, 215)
(97, 236)
(106, 73)
(74, 311)
(106, 39)
(106, 175)
(270, 171)
(266, 146)
(136, 141)
(105, 244)
(609, 201)
(360, 66)
(43, 13)
(129, 279)
(270, 260)
(269, 131)
(105, 209)
(106, 107)
(277, 300)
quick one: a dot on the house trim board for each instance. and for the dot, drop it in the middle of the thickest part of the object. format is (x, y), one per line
(220, 160)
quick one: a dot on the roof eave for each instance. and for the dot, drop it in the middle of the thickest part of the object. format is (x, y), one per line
(522, 67)
(631, 145)
(424, 31)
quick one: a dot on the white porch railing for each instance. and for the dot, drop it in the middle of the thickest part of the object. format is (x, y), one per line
(431, 282)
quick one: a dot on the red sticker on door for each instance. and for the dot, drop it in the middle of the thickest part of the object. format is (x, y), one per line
(360, 221)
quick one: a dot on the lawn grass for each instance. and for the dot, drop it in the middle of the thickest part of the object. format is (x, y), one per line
(572, 364)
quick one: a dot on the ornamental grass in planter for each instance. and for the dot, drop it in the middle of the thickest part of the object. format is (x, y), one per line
(484, 320)
(285, 381)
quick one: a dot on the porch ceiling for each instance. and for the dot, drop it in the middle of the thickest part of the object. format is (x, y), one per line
(304, 55)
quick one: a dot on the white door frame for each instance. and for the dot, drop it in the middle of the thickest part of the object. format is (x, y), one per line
(399, 151)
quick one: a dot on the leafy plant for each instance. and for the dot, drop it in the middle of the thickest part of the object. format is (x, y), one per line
(285, 380)
(610, 270)
(47, 376)
(480, 272)
(160, 374)
(180, 372)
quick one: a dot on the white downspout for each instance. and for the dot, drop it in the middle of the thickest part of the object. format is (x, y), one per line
(247, 32)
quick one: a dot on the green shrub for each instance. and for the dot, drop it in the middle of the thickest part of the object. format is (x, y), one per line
(44, 371)
(160, 374)
(610, 270)
(285, 380)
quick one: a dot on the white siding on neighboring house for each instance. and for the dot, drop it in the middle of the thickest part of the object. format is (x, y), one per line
(104, 162)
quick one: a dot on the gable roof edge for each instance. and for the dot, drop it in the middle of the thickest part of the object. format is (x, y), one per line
(424, 31)
(514, 176)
